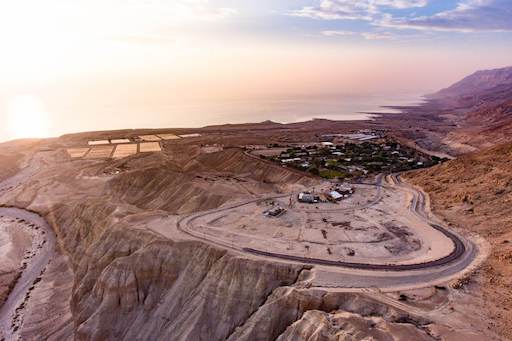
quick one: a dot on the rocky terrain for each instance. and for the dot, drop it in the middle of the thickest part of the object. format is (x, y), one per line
(472, 114)
(475, 193)
(121, 270)
(15, 242)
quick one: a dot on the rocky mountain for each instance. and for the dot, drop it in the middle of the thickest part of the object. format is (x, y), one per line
(472, 114)
(480, 82)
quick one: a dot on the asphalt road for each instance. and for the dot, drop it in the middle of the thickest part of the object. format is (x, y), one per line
(462, 255)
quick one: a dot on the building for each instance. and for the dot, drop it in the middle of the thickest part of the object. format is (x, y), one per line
(275, 212)
(307, 198)
(345, 190)
(297, 159)
(190, 135)
(335, 195)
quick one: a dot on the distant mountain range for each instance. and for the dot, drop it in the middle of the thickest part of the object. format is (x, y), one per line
(480, 107)
(479, 83)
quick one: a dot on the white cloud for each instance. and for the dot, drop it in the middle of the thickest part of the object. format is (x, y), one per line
(377, 35)
(337, 33)
(352, 9)
(467, 16)
(365, 35)
(401, 3)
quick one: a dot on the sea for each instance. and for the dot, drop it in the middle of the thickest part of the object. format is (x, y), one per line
(194, 115)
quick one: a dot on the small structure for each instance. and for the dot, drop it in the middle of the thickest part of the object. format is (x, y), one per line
(274, 212)
(189, 135)
(296, 159)
(327, 144)
(335, 195)
(345, 190)
(307, 198)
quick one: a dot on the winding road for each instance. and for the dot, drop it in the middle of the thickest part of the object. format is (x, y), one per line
(463, 254)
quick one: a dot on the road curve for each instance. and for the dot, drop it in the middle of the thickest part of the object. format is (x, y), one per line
(462, 255)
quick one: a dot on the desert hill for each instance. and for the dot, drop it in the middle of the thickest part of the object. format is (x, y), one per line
(480, 82)
(122, 272)
(485, 127)
(473, 113)
(184, 180)
(475, 193)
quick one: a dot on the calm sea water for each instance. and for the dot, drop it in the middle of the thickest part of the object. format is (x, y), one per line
(93, 118)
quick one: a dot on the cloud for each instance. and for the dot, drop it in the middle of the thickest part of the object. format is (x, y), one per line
(365, 35)
(353, 9)
(177, 10)
(377, 36)
(467, 16)
(337, 33)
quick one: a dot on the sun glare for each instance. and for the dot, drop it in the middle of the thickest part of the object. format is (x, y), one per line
(26, 117)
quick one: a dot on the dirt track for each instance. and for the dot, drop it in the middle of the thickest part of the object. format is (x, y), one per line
(10, 313)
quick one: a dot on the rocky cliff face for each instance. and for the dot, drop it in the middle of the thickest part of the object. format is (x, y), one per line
(149, 288)
(132, 284)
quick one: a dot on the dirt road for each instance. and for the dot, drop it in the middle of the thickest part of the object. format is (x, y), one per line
(12, 311)
(11, 315)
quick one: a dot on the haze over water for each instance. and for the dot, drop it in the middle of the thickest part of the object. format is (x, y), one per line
(83, 65)
(58, 121)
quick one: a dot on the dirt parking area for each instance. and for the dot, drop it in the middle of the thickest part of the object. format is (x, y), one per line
(372, 226)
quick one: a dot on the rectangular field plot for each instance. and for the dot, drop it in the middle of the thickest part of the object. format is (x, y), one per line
(168, 136)
(125, 150)
(149, 147)
(98, 142)
(77, 152)
(100, 152)
(190, 135)
(119, 141)
(149, 138)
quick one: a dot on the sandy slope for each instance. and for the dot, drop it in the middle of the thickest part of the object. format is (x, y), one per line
(126, 279)
(475, 193)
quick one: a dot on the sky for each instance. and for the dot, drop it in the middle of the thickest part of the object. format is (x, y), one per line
(69, 60)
